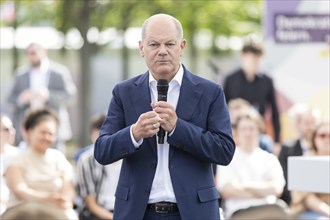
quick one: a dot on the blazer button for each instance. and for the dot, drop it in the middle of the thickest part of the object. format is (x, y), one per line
(147, 192)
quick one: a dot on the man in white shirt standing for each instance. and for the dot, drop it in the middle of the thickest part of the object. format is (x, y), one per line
(42, 83)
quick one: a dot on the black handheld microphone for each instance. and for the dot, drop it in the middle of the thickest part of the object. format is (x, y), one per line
(162, 87)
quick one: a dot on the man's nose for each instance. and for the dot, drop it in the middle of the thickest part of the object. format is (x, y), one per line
(162, 50)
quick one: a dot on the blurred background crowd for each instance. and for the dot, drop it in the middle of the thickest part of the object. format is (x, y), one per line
(61, 59)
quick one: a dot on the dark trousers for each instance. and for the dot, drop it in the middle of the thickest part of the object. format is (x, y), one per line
(152, 215)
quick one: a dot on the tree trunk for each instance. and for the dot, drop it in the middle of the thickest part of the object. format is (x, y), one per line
(193, 54)
(85, 79)
(125, 59)
(15, 53)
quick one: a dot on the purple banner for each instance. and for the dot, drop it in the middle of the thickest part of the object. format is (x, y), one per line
(301, 28)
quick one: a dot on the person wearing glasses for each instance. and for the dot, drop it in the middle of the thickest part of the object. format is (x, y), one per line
(310, 205)
(304, 119)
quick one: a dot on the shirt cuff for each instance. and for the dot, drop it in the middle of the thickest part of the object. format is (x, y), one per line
(136, 144)
(170, 134)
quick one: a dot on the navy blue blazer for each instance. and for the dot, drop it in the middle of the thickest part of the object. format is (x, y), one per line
(202, 136)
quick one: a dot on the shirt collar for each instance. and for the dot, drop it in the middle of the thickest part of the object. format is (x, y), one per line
(177, 78)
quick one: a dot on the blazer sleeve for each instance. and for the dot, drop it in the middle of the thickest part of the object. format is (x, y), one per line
(114, 142)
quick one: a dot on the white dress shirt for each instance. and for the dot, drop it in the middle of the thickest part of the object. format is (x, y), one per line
(162, 189)
(39, 78)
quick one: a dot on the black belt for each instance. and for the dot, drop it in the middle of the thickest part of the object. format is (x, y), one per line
(163, 207)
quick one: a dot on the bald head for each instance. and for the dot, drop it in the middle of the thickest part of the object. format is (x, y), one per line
(162, 45)
(161, 19)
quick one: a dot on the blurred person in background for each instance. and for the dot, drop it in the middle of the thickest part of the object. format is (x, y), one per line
(96, 184)
(254, 177)
(257, 88)
(295, 113)
(305, 119)
(41, 173)
(309, 205)
(95, 126)
(7, 151)
(43, 83)
(238, 106)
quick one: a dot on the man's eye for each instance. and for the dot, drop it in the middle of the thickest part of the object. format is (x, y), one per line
(153, 45)
(170, 44)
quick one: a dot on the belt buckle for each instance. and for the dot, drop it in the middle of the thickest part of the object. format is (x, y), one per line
(162, 208)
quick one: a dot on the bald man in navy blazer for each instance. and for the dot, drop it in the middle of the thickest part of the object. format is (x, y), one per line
(173, 180)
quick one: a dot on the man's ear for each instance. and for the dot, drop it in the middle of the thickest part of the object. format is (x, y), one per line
(183, 45)
(141, 48)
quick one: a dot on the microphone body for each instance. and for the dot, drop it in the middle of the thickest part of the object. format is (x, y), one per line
(162, 88)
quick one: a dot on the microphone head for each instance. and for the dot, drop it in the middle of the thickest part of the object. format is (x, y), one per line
(162, 86)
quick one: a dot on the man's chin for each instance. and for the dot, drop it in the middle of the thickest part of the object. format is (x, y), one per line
(164, 70)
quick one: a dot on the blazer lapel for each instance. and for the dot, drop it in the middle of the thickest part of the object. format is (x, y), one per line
(140, 95)
(189, 97)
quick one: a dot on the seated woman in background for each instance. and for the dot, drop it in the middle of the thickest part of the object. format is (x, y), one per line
(315, 206)
(41, 174)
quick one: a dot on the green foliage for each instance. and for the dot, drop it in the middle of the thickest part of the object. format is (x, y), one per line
(222, 17)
